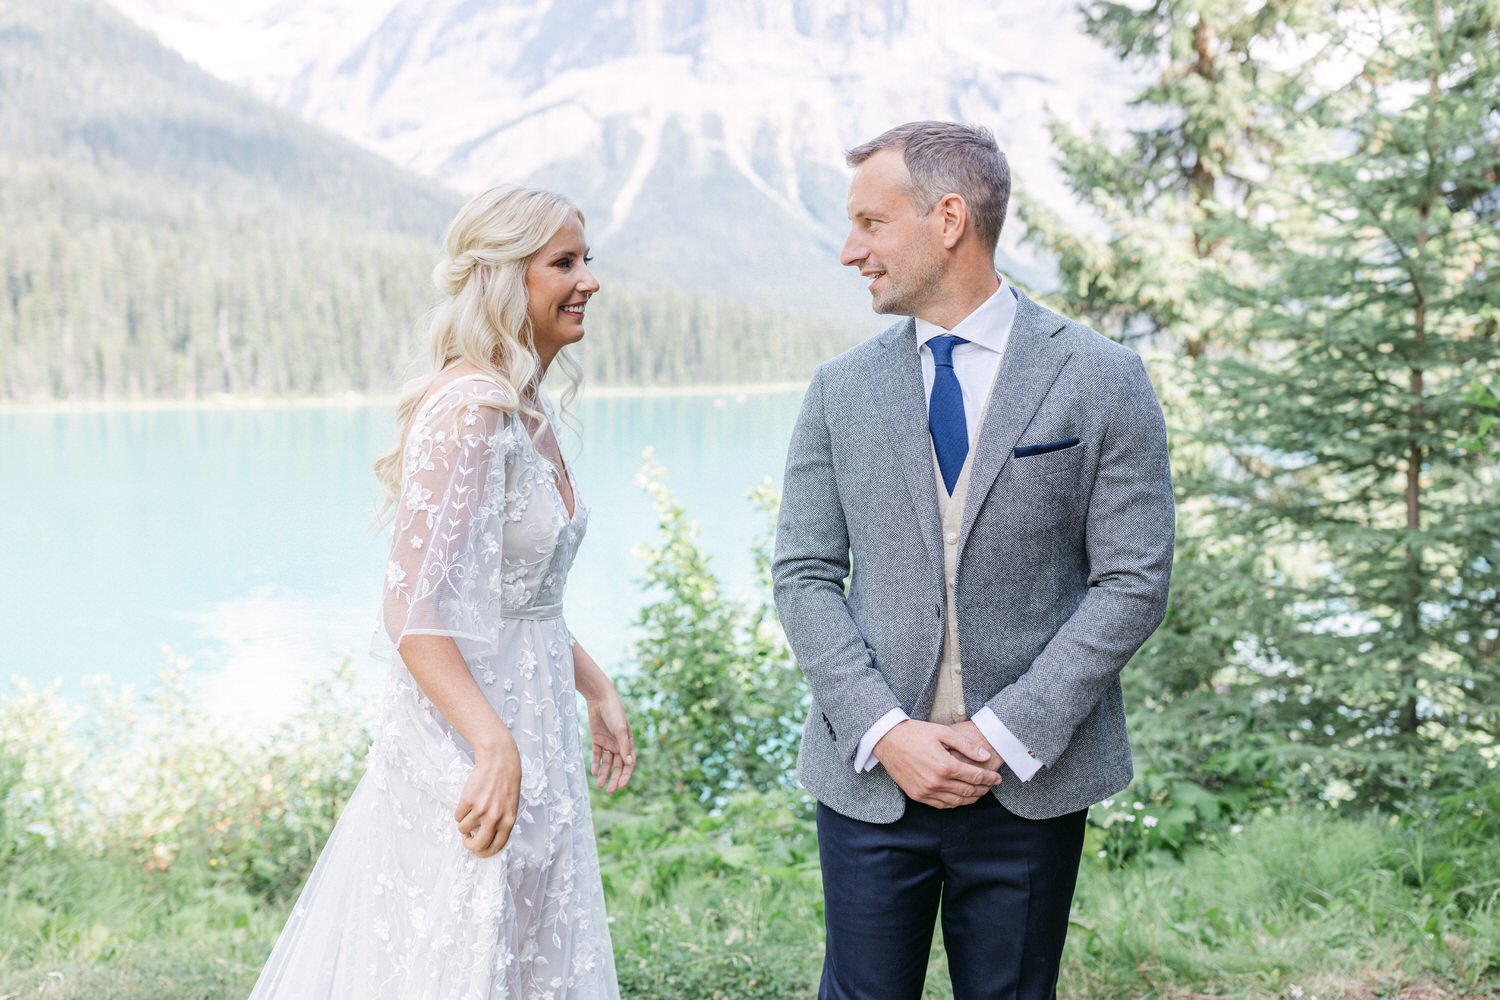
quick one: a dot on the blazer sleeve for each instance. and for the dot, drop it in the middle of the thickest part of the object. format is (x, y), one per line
(1129, 529)
(808, 571)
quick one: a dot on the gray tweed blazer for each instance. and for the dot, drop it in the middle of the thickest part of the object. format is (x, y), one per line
(1064, 559)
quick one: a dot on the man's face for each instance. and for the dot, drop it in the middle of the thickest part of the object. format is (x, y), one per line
(891, 240)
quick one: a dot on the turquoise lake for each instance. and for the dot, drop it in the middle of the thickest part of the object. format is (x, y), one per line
(242, 539)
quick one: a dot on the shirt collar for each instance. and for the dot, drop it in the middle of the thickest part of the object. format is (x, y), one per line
(988, 326)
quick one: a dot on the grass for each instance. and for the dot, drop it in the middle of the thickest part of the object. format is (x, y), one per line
(86, 927)
(728, 909)
(157, 860)
(1328, 907)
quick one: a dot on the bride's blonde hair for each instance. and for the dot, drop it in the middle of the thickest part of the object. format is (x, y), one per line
(484, 320)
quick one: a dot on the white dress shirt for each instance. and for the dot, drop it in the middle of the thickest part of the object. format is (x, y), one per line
(987, 330)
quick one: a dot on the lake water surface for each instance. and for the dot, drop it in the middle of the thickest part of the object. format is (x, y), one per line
(241, 539)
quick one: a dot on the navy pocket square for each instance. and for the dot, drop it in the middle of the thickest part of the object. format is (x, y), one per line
(1027, 450)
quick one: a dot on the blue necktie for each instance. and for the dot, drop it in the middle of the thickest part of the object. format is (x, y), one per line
(945, 411)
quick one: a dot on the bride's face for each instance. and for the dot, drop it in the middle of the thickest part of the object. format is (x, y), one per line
(558, 286)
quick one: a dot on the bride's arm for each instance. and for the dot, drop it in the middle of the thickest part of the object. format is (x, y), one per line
(609, 729)
(492, 794)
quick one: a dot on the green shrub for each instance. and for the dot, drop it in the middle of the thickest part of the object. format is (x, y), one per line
(716, 697)
(159, 784)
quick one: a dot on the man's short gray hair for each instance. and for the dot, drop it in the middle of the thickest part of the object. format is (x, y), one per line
(950, 158)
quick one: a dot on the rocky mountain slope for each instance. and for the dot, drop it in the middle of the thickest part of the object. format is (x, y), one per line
(704, 140)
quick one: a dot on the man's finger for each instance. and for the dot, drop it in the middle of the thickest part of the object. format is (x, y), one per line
(955, 791)
(969, 747)
(971, 775)
(949, 799)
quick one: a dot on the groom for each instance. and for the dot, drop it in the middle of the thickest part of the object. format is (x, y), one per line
(996, 476)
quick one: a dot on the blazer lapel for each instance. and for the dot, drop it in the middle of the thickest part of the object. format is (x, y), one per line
(1031, 364)
(902, 404)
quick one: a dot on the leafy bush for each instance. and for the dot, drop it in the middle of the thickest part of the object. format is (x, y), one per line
(717, 698)
(160, 784)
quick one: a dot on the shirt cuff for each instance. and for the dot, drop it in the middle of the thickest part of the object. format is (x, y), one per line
(1005, 743)
(864, 757)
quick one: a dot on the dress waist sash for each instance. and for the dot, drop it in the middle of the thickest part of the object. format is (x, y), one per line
(541, 612)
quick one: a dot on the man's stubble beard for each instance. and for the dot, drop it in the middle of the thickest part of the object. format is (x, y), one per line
(911, 295)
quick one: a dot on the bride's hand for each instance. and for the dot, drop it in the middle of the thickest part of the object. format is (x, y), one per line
(614, 745)
(490, 798)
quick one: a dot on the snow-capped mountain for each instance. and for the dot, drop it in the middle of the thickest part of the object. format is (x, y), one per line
(704, 138)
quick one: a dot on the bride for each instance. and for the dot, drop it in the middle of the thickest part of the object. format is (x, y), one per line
(464, 864)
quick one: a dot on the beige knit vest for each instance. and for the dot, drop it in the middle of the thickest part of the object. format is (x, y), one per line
(948, 703)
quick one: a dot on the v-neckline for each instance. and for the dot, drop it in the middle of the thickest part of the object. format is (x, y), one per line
(559, 471)
(557, 479)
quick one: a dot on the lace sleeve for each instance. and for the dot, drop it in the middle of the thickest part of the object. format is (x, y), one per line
(452, 473)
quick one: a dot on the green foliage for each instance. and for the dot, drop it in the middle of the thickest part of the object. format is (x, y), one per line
(723, 904)
(1487, 427)
(716, 696)
(1294, 905)
(158, 785)
(1209, 120)
(1340, 411)
(113, 824)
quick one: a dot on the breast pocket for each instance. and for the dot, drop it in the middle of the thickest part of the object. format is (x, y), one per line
(1047, 463)
(1045, 492)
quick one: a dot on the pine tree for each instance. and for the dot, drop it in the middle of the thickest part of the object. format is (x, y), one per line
(1345, 408)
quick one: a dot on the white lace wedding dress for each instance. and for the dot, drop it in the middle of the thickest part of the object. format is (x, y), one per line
(396, 907)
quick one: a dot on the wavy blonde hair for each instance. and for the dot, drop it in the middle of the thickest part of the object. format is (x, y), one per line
(484, 320)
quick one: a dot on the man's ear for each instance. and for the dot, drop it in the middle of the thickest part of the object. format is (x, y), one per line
(953, 214)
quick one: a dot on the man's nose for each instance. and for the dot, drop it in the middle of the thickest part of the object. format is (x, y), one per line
(854, 250)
